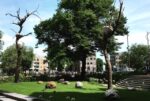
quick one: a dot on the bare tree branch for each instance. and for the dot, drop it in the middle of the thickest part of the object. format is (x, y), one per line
(20, 22)
(27, 34)
(119, 16)
(117, 21)
(11, 15)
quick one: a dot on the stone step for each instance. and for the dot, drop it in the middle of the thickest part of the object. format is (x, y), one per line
(4, 98)
(20, 97)
(136, 81)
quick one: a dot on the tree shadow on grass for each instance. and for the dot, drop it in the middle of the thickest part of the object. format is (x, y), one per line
(67, 96)
(93, 89)
(125, 95)
(134, 95)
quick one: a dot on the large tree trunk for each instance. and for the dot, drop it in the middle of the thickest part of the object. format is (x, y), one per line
(109, 70)
(83, 73)
(17, 70)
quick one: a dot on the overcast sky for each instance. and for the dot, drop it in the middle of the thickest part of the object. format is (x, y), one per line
(136, 11)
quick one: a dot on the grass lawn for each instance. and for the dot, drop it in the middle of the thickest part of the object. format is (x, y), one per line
(90, 92)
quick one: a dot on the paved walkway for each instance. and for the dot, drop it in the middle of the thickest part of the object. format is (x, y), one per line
(17, 97)
(4, 98)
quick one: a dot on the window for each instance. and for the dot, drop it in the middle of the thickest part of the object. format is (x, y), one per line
(36, 66)
(44, 61)
(36, 63)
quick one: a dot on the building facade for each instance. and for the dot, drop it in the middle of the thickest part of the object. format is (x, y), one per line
(39, 65)
(90, 64)
(117, 65)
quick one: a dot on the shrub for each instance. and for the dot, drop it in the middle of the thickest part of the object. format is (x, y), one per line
(7, 79)
(91, 79)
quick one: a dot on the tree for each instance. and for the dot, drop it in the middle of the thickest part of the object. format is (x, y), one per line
(9, 58)
(1, 42)
(113, 23)
(138, 56)
(99, 64)
(20, 22)
(72, 28)
(86, 26)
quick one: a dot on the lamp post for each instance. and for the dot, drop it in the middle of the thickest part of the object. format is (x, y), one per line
(128, 50)
(148, 57)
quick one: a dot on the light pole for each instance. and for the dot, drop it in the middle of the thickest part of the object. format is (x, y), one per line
(128, 50)
(148, 58)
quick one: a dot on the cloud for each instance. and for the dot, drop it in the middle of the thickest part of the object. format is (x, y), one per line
(8, 41)
(28, 41)
(134, 38)
(39, 51)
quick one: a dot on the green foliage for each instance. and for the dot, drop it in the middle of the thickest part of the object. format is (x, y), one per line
(6, 79)
(81, 24)
(1, 42)
(93, 80)
(9, 58)
(99, 64)
(138, 56)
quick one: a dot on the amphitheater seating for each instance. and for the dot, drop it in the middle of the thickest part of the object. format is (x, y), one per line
(135, 82)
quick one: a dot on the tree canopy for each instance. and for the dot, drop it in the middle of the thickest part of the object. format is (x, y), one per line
(1, 42)
(137, 56)
(9, 58)
(80, 28)
(99, 64)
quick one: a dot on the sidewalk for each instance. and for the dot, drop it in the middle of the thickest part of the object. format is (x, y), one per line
(17, 97)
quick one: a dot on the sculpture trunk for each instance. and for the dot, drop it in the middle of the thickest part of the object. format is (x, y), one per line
(109, 69)
(17, 70)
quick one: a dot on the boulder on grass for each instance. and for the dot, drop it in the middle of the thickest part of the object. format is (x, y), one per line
(61, 80)
(79, 84)
(111, 95)
(50, 85)
(40, 82)
(66, 82)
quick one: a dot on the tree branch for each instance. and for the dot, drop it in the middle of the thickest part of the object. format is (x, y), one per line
(27, 34)
(119, 16)
(21, 20)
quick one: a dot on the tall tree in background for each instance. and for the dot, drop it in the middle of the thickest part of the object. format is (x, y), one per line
(1, 42)
(9, 58)
(113, 24)
(99, 64)
(80, 27)
(138, 56)
(73, 29)
(20, 22)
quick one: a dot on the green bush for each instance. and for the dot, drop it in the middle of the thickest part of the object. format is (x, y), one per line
(6, 79)
(93, 80)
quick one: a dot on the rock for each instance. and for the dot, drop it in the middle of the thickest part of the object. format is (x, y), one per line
(79, 84)
(40, 82)
(66, 82)
(130, 88)
(50, 85)
(61, 80)
(111, 94)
